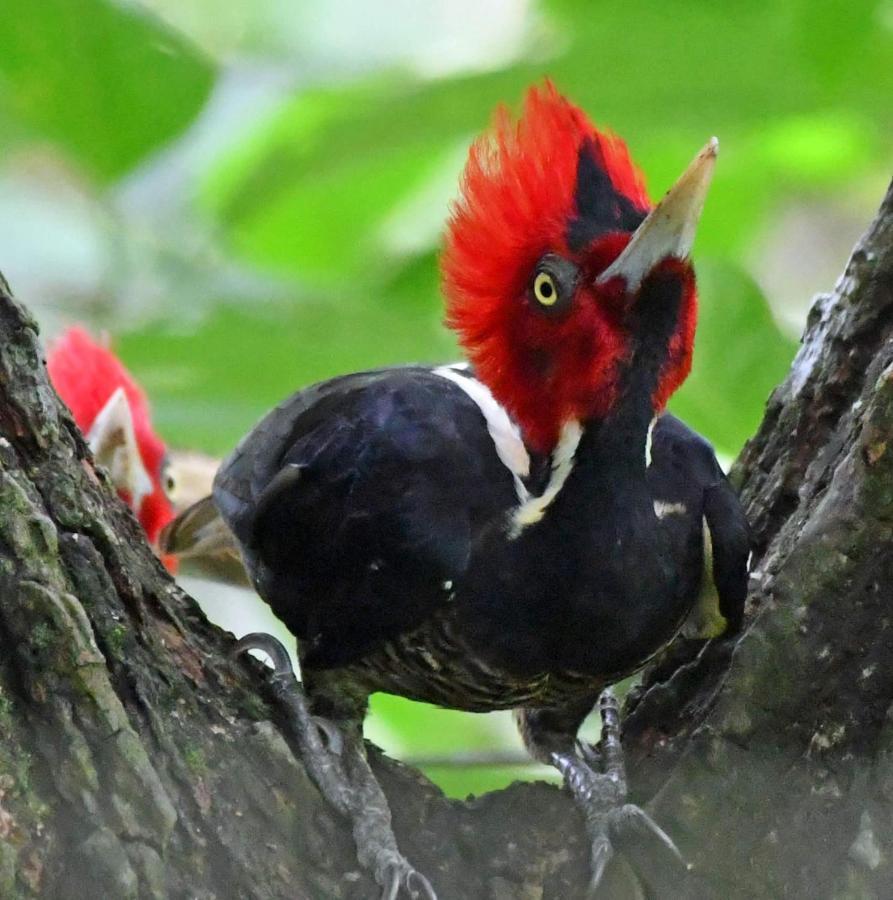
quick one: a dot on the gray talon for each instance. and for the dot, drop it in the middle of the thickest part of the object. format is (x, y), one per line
(602, 852)
(591, 755)
(392, 885)
(272, 646)
(402, 875)
(631, 818)
(596, 776)
(424, 888)
(320, 741)
(332, 734)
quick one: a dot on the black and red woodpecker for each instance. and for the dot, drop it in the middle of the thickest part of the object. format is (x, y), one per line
(517, 531)
(112, 411)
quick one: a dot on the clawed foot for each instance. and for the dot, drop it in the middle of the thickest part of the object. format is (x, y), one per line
(619, 827)
(600, 788)
(287, 688)
(319, 741)
(400, 875)
(340, 770)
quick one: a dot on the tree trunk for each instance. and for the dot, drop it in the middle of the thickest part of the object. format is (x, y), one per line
(137, 760)
(773, 755)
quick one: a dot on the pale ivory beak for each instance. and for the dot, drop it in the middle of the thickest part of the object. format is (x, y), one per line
(112, 441)
(669, 229)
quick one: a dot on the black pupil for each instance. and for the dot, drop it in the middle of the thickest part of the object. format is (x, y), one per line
(546, 288)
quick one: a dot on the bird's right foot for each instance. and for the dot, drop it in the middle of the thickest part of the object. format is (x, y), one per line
(599, 786)
(597, 779)
(337, 764)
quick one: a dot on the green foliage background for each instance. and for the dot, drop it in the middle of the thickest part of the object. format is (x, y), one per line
(249, 196)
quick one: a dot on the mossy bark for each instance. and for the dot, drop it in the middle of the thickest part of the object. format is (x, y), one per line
(137, 760)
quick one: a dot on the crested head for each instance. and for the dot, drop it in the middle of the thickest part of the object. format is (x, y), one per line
(548, 202)
(89, 378)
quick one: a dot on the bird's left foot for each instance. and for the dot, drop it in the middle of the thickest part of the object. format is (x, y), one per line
(600, 788)
(337, 762)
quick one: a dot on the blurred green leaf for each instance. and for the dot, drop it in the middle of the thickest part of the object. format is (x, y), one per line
(660, 84)
(438, 730)
(208, 388)
(462, 782)
(404, 727)
(815, 150)
(105, 81)
(295, 201)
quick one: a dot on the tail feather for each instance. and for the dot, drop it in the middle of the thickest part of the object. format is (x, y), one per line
(201, 540)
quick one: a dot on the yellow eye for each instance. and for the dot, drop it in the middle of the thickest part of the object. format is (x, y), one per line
(545, 290)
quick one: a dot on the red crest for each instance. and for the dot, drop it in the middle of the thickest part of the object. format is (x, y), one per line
(549, 182)
(85, 375)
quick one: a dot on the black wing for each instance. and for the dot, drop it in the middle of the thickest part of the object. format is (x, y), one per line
(713, 527)
(356, 502)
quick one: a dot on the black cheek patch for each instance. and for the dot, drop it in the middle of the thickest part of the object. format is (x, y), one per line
(655, 314)
(599, 207)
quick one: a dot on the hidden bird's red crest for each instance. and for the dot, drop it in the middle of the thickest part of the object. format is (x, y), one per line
(545, 196)
(86, 376)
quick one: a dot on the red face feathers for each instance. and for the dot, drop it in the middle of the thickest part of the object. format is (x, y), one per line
(548, 203)
(113, 413)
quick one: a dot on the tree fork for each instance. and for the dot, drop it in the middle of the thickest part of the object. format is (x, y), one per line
(137, 760)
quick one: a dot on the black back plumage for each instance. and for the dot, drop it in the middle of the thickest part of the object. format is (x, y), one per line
(359, 502)
(356, 500)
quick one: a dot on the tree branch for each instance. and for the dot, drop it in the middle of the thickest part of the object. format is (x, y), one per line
(138, 761)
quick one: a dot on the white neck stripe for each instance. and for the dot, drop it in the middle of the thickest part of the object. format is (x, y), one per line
(505, 433)
(531, 511)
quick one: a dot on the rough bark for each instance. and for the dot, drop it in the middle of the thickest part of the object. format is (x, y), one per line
(773, 754)
(137, 760)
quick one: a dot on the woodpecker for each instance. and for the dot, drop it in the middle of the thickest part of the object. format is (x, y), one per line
(517, 531)
(112, 411)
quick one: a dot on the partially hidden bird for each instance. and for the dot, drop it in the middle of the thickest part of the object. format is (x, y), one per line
(112, 411)
(517, 531)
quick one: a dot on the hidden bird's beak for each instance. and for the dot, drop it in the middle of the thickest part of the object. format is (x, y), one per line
(112, 440)
(669, 229)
